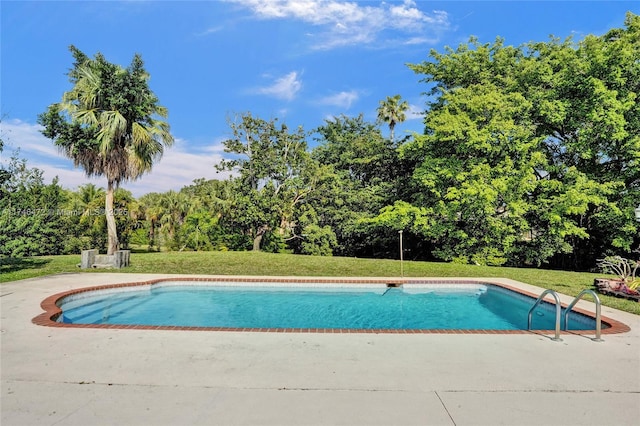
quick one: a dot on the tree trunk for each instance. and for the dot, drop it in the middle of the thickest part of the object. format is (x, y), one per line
(152, 234)
(258, 238)
(256, 242)
(112, 232)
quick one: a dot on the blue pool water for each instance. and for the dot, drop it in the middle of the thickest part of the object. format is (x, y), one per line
(471, 307)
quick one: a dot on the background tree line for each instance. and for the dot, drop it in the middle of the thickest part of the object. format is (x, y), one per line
(530, 156)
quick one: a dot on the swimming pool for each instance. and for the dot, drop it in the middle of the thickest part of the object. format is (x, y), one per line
(321, 305)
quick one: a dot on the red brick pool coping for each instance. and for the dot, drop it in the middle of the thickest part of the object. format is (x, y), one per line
(52, 311)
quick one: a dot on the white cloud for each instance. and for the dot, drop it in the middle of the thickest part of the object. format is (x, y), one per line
(415, 112)
(342, 99)
(285, 87)
(282, 113)
(18, 134)
(210, 30)
(345, 23)
(419, 40)
(216, 147)
(179, 166)
(68, 176)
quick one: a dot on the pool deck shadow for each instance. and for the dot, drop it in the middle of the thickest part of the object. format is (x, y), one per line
(155, 377)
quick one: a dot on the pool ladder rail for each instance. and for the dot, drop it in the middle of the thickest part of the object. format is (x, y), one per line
(556, 337)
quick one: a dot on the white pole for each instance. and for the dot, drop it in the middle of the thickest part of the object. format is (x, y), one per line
(401, 256)
(636, 211)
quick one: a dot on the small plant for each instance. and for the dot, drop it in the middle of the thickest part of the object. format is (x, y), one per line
(624, 268)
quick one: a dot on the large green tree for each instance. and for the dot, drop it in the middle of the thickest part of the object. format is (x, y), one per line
(530, 153)
(362, 174)
(109, 123)
(31, 214)
(276, 175)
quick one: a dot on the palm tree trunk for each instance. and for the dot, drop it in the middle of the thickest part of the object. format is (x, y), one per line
(112, 232)
(152, 234)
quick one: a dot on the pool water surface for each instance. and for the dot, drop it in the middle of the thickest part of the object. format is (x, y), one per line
(360, 307)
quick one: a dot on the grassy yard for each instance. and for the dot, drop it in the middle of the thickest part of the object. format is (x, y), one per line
(249, 263)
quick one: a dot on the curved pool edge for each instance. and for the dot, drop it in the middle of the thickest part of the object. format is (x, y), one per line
(52, 311)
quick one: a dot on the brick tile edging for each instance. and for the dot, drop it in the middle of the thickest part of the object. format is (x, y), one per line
(53, 311)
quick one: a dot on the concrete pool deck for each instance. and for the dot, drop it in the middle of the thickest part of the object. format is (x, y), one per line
(153, 377)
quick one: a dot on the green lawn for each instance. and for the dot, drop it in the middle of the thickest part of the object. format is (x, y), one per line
(249, 263)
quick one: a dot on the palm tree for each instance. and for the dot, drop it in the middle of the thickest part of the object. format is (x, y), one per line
(175, 207)
(87, 195)
(82, 222)
(150, 205)
(107, 125)
(88, 199)
(391, 111)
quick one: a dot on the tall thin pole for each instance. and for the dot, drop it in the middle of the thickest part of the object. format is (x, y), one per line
(401, 257)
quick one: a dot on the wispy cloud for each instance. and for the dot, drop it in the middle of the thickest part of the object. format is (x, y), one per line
(179, 166)
(210, 30)
(415, 112)
(21, 135)
(343, 99)
(343, 23)
(285, 87)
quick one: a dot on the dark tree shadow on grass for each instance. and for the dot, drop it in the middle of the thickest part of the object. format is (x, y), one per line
(13, 264)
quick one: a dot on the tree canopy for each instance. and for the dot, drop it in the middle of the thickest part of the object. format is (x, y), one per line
(530, 153)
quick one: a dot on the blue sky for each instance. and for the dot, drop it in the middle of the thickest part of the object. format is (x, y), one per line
(299, 61)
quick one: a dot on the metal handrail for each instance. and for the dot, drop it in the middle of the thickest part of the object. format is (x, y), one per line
(558, 310)
(598, 318)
